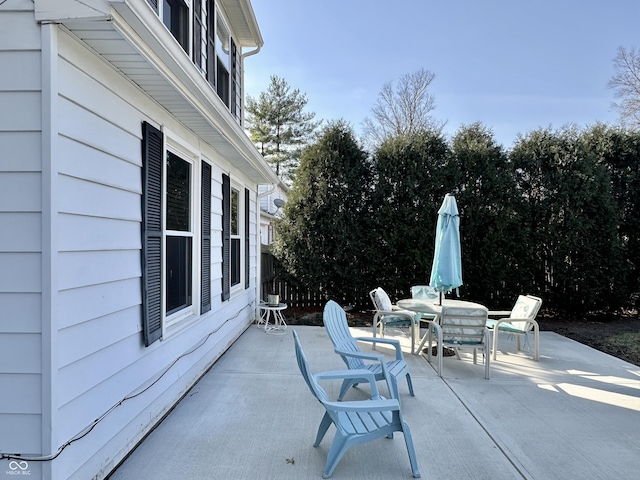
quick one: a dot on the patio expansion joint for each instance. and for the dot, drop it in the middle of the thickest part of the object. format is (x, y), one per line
(495, 442)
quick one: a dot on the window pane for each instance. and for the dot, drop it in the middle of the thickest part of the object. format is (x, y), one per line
(178, 273)
(223, 48)
(175, 17)
(235, 261)
(234, 212)
(223, 55)
(178, 194)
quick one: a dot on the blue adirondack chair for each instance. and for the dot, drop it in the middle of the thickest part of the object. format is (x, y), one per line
(335, 323)
(356, 422)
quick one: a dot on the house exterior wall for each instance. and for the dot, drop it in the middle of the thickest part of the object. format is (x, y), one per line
(268, 209)
(71, 348)
(20, 231)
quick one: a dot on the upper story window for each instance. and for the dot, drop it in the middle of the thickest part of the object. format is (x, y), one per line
(223, 54)
(175, 15)
(203, 32)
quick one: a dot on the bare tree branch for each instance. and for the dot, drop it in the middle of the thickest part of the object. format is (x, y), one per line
(405, 110)
(626, 85)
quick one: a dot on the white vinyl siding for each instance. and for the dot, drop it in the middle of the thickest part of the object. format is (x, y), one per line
(99, 263)
(20, 230)
(75, 208)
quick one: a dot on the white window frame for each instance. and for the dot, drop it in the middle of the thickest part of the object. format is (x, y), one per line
(189, 24)
(175, 145)
(239, 189)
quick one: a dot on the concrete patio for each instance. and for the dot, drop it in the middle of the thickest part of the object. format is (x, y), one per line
(573, 415)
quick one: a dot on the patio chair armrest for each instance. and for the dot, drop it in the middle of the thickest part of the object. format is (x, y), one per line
(371, 405)
(412, 316)
(498, 321)
(388, 341)
(359, 374)
(530, 320)
(438, 329)
(415, 316)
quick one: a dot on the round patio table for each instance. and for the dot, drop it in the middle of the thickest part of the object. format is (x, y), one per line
(274, 312)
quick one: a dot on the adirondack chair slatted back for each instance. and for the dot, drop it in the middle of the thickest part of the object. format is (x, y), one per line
(527, 306)
(303, 364)
(335, 322)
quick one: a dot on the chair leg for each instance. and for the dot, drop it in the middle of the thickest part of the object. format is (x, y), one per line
(438, 339)
(495, 342)
(345, 388)
(337, 450)
(412, 327)
(487, 360)
(393, 386)
(322, 429)
(410, 385)
(375, 326)
(487, 353)
(536, 342)
(408, 440)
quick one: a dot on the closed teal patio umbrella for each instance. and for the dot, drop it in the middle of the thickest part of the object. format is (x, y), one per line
(446, 271)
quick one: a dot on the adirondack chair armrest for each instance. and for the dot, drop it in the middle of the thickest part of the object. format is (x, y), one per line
(342, 374)
(375, 357)
(389, 341)
(359, 374)
(371, 405)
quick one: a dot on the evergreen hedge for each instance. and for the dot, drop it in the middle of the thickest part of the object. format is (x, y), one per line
(556, 216)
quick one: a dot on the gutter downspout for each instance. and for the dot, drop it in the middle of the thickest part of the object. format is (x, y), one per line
(260, 195)
(243, 56)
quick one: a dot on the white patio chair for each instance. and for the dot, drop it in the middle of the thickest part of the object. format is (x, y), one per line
(461, 328)
(519, 321)
(425, 292)
(389, 315)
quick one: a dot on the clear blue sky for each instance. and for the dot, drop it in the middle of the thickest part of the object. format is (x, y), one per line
(514, 65)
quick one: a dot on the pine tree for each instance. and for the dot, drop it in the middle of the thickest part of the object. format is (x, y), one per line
(279, 126)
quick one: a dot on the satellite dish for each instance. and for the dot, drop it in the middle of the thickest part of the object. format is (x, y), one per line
(278, 202)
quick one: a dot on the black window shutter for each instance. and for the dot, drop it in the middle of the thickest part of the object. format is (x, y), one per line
(246, 238)
(234, 83)
(205, 304)
(226, 237)
(152, 150)
(154, 4)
